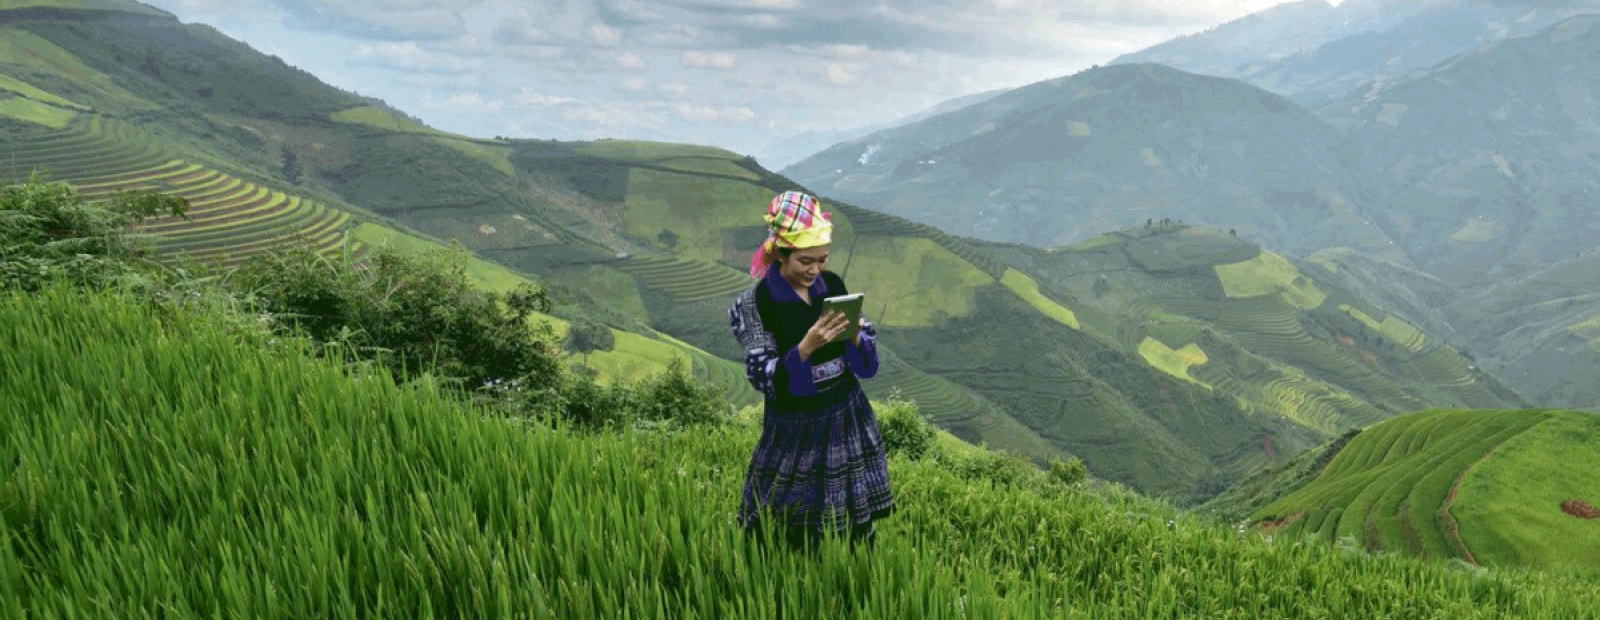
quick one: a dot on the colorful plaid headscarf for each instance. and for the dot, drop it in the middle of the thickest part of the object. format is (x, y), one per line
(797, 222)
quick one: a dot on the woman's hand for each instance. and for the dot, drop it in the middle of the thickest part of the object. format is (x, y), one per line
(827, 327)
(861, 325)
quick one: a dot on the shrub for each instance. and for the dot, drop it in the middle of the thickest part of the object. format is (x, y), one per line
(416, 314)
(992, 466)
(51, 233)
(1070, 471)
(904, 429)
(675, 397)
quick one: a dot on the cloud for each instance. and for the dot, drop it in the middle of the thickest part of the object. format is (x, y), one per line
(470, 101)
(381, 19)
(410, 56)
(708, 114)
(843, 74)
(708, 60)
(530, 98)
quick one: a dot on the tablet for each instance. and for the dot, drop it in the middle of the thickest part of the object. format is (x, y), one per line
(850, 305)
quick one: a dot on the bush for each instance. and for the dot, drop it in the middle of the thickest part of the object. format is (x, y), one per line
(904, 429)
(992, 466)
(674, 397)
(414, 314)
(51, 233)
(1070, 471)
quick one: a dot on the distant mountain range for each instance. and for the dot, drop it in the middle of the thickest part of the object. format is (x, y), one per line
(787, 150)
(1470, 173)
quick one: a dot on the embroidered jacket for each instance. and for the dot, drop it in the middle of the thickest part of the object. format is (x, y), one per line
(770, 319)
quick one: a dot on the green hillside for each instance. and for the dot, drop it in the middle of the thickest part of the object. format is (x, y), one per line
(653, 238)
(1249, 325)
(1487, 487)
(186, 466)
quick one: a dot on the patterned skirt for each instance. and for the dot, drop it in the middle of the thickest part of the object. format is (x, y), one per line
(816, 469)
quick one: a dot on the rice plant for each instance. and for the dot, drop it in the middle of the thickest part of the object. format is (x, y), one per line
(161, 464)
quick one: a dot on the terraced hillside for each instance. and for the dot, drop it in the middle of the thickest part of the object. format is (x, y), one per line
(1495, 487)
(229, 219)
(1258, 328)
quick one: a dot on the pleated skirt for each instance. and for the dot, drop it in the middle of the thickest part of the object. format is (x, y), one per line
(818, 470)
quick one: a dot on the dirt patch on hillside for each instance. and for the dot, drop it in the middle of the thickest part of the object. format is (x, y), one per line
(1579, 508)
(1268, 526)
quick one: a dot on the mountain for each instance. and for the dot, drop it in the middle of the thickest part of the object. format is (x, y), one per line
(1061, 160)
(1482, 167)
(652, 238)
(1503, 488)
(787, 150)
(1271, 333)
(1314, 53)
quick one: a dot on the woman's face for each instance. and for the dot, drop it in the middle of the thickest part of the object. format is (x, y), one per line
(803, 266)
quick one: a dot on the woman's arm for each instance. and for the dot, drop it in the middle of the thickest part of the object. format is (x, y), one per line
(861, 354)
(765, 369)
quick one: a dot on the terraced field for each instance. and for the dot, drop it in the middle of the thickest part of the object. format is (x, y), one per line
(1390, 488)
(1590, 331)
(229, 219)
(956, 408)
(685, 280)
(877, 224)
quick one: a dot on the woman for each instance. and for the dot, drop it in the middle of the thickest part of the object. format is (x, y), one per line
(819, 465)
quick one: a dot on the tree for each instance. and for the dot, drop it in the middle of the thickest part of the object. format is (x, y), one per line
(668, 238)
(291, 165)
(585, 335)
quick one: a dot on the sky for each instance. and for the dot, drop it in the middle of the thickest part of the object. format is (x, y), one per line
(737, 74)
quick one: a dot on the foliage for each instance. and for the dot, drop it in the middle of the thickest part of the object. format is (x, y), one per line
(904, 429)
(416, 314)
(399, 501)
(674, 397)
(1070, 471)
(50, 232)
(291, 165)
(584, 334)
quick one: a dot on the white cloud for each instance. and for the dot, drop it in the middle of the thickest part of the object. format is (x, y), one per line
(708, 114)
(605, 35)
(471, 101)
(708, 60)
(409, 55)
(631, 60)
(529, 98)
(843, 74)
(635, 85)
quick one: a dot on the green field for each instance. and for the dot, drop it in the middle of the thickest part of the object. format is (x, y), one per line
(29, 50)
(200, 469)
(1173, 362)
(1269, 273)
(695, 208)
(1392, 327)
(30, 111)
(1509, 504)
(639, 150)
(1508, 470)
(1028, 290)
(28, 90)
(913, 282)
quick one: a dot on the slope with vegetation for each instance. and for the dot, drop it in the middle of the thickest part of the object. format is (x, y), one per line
(241, 464)
(649, 240)
(1501, 488)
